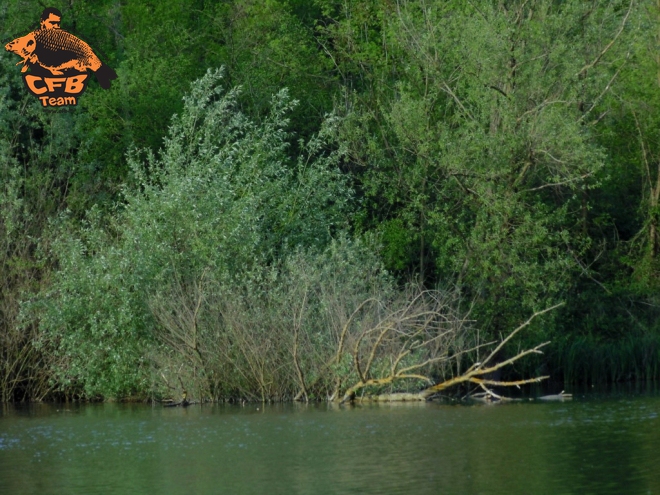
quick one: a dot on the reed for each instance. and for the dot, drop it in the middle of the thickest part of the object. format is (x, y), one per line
(589, 360)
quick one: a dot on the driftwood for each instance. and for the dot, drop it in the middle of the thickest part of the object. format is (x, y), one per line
(488, 397)
(479, 373)
(560, 396)
(491, 397)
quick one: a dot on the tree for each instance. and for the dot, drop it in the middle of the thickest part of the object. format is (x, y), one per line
(222, 197)
(473, 137)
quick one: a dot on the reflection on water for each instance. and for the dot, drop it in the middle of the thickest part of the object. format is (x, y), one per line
(593, 444)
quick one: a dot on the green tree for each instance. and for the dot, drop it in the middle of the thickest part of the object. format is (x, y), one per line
(222, 197)
(472, 130)
(37, 165)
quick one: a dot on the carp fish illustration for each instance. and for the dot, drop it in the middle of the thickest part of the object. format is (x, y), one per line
(57, 51)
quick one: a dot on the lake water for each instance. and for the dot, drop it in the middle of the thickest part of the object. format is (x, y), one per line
(600, 444)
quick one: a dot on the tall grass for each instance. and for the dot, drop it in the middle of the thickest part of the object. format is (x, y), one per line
(589, 361)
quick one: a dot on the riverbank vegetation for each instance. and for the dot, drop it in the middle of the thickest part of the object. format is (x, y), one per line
(311, 200)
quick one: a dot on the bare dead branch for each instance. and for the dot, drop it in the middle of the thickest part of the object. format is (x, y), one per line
(296, 326)
(512, 334)
(406, 327)
(517, 383)
(342, 338)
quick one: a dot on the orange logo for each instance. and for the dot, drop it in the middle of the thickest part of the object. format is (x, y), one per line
(57, 62)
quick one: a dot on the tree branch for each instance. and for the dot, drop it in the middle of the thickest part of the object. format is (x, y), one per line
(609, 45)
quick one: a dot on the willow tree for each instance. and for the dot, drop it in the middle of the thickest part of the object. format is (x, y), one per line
(472, 130)
(221, 199)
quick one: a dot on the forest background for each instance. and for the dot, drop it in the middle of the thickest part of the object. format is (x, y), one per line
(267, 182)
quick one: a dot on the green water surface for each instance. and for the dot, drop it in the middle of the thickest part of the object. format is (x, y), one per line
(593, 444)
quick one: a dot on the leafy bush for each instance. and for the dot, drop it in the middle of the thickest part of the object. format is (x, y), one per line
(221, 197)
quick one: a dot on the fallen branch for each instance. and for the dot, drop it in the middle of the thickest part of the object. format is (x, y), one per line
(479, 373)
(560, 396)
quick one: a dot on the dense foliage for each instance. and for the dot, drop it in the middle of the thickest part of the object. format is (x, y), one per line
(505, 151)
